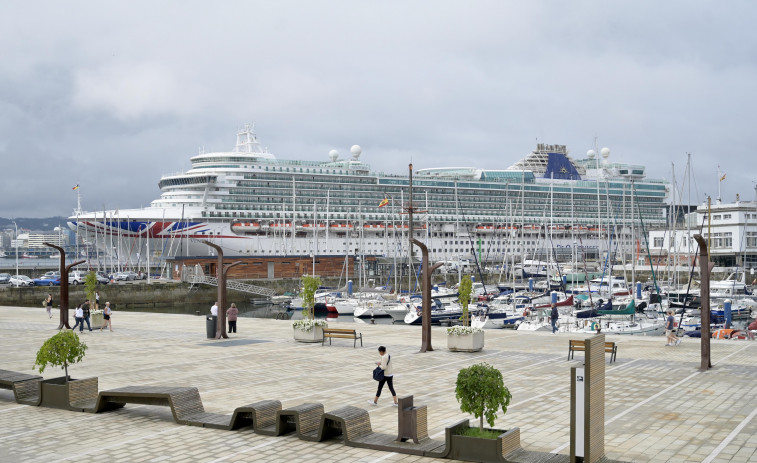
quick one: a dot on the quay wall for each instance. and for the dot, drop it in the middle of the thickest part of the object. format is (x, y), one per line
(141, 295)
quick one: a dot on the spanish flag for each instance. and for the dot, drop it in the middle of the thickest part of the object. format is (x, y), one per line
(384, 202)
(722, 178)
(76, 187)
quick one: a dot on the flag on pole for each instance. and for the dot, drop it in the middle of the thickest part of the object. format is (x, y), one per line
(722, 177)
(384, 202)
(76, 187)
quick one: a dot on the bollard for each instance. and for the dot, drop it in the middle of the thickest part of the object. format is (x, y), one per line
(197, 313)
(638, 290)
(530, 284)
(727, 315)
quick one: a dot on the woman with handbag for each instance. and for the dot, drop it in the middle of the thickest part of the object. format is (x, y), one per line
(384, 373)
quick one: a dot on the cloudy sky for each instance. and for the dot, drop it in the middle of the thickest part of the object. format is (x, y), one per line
(112, 95)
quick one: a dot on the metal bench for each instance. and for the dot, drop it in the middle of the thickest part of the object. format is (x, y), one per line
(342, 333)
(580, 345)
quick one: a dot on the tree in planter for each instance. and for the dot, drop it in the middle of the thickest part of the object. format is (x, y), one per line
(481, 391)
(90, 286)
(464, 290)
(61, 350)
(310, 285)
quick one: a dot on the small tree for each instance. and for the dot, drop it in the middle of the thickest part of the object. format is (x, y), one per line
(90, 286)
(60, 350)
(310, 285)
(464, 290)
(481, 391)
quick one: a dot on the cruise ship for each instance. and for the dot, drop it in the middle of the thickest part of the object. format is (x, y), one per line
(251, 203)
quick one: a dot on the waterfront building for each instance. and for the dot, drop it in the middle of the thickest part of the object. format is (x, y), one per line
(729, 228)
(254, 204)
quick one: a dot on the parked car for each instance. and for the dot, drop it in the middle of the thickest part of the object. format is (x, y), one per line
(21, 280)
(102, 279)
(125, 276)
(76, 277)
(5, 278)
(47, 280)
(55, 273)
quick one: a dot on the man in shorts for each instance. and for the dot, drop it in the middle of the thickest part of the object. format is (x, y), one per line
(669, 328)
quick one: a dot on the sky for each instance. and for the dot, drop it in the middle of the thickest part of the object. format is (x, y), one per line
(113, 95)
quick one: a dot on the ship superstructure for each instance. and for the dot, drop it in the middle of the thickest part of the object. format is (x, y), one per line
(252, 203)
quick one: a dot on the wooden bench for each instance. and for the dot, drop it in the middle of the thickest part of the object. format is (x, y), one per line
(342, 333)
(580, 345)
(185, 403)
(26, 388)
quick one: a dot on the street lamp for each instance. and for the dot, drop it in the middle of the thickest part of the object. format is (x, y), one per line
(14, 224)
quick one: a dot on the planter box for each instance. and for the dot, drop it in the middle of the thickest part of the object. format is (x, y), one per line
(72, 395)
(483, 450)
(314, 335)
(96, 320)
(473, 342)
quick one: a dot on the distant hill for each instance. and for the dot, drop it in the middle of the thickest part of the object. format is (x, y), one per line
(34, 224)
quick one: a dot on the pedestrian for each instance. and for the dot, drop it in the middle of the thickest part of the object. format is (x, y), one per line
(49, 305)
(231, 316)
(669, 326)
(79, 317)
(97, 300)
(214, 309)
(554, 317)
(85, 310)
(106, 317)
(385, 363)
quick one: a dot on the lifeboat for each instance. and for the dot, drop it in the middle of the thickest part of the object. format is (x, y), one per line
(557, 228)
(485, 228)
(309, 227)
(341, 226)
(581, 229)
(281, 225)
(531, 228)
(243, 227)
(373, 227)
(506, 228)
(398, 227)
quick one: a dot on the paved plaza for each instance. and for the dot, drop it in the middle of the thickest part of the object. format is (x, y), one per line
(659, 407)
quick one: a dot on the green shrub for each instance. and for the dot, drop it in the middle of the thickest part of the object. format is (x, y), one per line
(464, 290)
(481, 391)
(60, 350)
(309, 286)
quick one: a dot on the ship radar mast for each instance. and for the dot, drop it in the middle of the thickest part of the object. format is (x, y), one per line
(247, 141)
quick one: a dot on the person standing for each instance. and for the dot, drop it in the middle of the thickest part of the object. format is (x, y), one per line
(97, 300)
(669, 327)
(79, 317)
(214, 309)
(49, 305)
(85, 310)
(555, 315)
(107, 312)
(385, 363)
(231, 316)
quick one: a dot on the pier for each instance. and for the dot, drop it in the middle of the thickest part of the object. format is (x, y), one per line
(658, 406)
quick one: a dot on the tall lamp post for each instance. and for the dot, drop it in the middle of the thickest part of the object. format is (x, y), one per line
(221, 270)
(16, 240)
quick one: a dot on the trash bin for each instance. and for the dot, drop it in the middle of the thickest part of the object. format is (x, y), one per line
(210, 325)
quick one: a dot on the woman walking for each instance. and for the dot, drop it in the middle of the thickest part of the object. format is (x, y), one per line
(49, 305)
(106, 317)
(385, 363)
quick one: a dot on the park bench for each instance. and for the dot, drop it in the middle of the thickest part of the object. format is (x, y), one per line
(26, 388)
(185, 403)
(304, 419)
(580, 345)
(342, 333)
